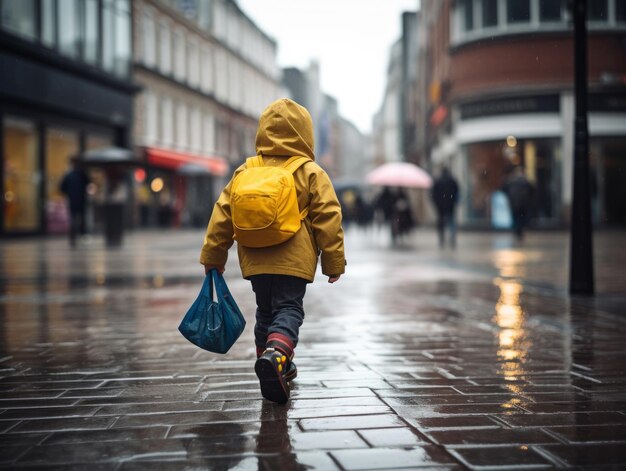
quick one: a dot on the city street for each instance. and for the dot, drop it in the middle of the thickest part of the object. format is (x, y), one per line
(474, 358)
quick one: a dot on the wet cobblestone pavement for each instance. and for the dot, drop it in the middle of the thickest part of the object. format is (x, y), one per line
(417, 358)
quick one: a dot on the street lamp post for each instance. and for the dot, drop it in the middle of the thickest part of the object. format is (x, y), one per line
(581, 243)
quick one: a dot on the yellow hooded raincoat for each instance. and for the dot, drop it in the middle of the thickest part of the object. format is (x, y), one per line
(285, 130)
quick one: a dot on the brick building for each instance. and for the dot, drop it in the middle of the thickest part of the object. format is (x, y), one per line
(207, 73)
(501, 95)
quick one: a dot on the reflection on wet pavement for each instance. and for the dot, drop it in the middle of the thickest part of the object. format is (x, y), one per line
(417, 357)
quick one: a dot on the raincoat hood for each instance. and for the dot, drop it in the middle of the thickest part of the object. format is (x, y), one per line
(285, 129)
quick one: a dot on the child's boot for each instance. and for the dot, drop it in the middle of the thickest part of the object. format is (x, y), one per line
(290, 372)
(273, 367)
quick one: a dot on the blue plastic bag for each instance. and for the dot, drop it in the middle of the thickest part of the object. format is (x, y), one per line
(213, 326)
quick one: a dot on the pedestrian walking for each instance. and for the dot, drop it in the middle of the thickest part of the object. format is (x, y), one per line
(445, 195)
(74, 187)
(383, 205)
(279, 272)
(520, 193)
(402, 221)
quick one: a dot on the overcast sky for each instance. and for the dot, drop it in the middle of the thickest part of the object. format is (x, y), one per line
(351, 40)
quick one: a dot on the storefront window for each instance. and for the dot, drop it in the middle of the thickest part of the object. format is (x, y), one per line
(97, 188)
(18, 17)
(21, 175)
(61, 146)
(490, 164)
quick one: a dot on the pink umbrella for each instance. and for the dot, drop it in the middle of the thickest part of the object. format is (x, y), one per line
(403, 174)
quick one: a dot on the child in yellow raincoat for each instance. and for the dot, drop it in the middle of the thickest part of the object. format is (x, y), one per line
(279, 273)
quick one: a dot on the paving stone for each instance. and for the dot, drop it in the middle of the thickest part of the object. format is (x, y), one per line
(454, 422)
(502, 457)
(590, 433)
(474, 437)
(111, 435)
(385, 458)
(592, 455)
(352, 422)
(391, 437)
(327, 440)
(62, 424)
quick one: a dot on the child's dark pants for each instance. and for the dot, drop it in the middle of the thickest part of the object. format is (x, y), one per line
(279, 313)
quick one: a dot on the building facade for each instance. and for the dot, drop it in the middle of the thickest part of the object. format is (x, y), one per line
(207, 73)
(65, 88)
(500, 76)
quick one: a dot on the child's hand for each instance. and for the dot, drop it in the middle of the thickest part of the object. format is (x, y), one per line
(333, 278)
(220, 269)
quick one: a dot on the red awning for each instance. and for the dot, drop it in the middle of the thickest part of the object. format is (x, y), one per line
(166, 158)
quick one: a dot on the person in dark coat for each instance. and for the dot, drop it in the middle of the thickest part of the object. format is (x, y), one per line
(74, 186)
(520, 193)
(445, 194)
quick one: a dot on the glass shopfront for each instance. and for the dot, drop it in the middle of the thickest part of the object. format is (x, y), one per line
(21, 176)
(490, 165)
(61, 145)
(35, 157)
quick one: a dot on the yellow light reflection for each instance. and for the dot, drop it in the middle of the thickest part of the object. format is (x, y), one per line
(510, 263)
(513, 343)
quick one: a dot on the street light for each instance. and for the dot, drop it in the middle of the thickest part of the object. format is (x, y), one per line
(581, 243)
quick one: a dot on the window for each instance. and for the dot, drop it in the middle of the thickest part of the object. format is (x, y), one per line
(165, 49)
(69, 33)
(550, 10)
(123, 51)
(48, 23)
(182, 130)
(518, 11)
(148, 33)
(598, 10)
(207, 70)
(151, 118)
(208, 134)
(21, 175)
(180, 57)
(194, 65)
(116, 47)
(620, 11)
(18, 16)
(167, 120)
(490, 13)
(108, 36)
(221, 83)
(196, 130)
(467, 15)
(91, 36)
